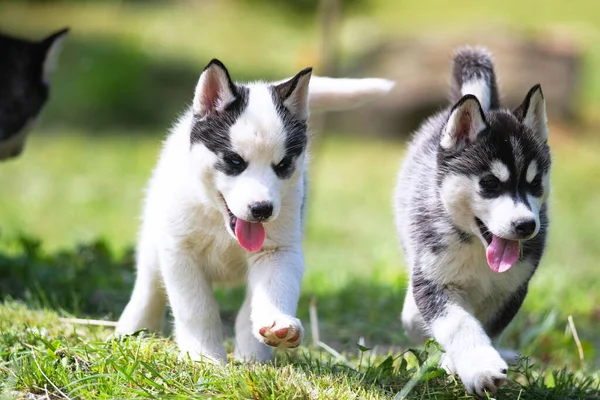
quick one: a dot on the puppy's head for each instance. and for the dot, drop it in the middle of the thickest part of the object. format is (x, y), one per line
(253, 138)
(25, 81)
(494, 173)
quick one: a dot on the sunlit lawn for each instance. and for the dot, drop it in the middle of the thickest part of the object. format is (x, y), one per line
(59, 193)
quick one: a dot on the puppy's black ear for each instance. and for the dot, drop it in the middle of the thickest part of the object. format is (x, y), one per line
(465, 123)
(51, 47)
(532, 112)
(294, 93)
(215, 90)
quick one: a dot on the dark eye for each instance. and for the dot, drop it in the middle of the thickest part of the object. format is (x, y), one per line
(234, 160)
(284, 164)
(490, 182)
(536, 183)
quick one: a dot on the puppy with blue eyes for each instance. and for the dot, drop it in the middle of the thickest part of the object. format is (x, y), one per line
(471, 213)
(224, 205)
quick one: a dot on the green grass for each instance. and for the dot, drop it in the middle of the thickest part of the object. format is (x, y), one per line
(51, 357)
(354, 271)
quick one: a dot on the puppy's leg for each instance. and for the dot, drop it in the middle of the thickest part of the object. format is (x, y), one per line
(468, 347)
(146, 307)
(247, 347)
(503, 317)
(274, 280)
(412, 320)
(195, 310)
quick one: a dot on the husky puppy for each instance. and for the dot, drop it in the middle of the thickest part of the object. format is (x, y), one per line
(470, 207)
(224, 205)
(25, 69)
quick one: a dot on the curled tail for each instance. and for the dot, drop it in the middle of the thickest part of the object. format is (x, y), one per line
(473, 73)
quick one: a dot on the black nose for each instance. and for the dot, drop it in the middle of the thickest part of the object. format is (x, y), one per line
(524, 227)
(262, 210)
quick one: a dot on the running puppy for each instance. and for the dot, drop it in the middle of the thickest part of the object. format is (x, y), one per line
(471, 214)
(224, 205)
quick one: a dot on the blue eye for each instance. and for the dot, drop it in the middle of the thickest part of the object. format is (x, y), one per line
(234, 160)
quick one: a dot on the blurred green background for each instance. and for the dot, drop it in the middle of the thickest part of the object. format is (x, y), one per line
(129, 67)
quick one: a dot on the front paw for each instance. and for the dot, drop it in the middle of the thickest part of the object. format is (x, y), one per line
(481, 370)
(284, 331)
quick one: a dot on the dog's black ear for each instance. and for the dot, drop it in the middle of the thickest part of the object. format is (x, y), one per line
(465, 123)
(294, 93)
(215, 90)
(532, 112)
(51, 47)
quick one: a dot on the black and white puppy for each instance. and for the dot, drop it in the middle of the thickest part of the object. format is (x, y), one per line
(224, 205)
(471, 213)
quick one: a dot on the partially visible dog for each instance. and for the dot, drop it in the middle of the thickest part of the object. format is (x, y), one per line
(471, 213)
(225, 205)
(25, 69)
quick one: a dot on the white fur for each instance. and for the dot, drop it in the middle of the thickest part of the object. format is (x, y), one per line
(186, 245)
(480, 89)
(500, 170)
(498, 215)
(258, 136)
(469, 351)
(330, 94)
(531, 172)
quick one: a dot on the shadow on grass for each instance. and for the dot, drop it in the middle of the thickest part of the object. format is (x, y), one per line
(92, 281)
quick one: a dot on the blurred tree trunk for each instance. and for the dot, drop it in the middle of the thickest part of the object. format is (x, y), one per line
(329, 19)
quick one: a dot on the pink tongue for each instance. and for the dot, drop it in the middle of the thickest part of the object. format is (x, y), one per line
(502, 254)
(251, 235)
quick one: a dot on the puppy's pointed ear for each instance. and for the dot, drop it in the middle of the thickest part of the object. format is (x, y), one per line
(465, 123)
(532, 112)
(294, 94)
(51, 47)
(215, 90)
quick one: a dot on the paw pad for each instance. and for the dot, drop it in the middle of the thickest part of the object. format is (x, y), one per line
(285, 332)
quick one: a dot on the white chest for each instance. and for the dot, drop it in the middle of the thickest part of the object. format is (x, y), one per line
(464, 267)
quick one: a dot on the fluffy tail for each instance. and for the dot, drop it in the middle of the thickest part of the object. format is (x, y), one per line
(329, 94)
(473, 73)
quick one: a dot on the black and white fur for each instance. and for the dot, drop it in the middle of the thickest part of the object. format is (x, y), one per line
(238, 153)
(25, 70)
(472, 171)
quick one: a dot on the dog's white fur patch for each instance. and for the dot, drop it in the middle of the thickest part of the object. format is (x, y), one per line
(258, 137)
(332, 94)
(480, 89)
(499, 214)
(531, 172)
(500, 170)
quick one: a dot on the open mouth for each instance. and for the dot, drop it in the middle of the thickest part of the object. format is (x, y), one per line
(250, 235)
(501, 253)
(232, 218)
